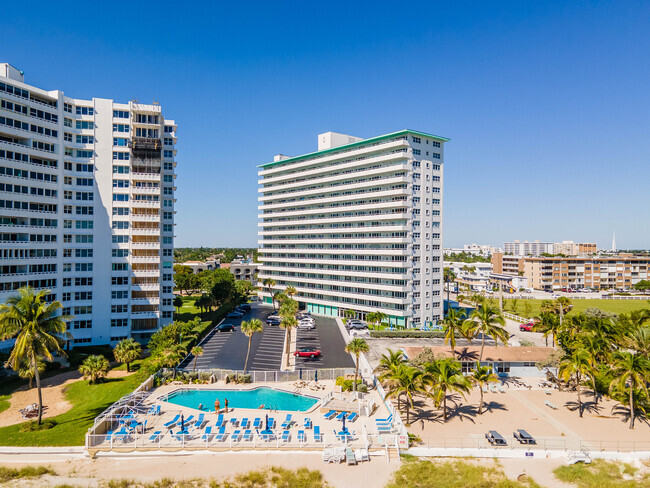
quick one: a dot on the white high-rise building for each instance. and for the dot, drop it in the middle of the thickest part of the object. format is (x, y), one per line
(87, 208)
(357, 225)
(525, 248)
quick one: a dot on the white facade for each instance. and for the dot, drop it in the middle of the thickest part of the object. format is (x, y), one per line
(87, 208)
(357, 225)
(526, 248)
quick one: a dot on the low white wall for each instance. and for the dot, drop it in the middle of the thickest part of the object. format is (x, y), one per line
(489, 452)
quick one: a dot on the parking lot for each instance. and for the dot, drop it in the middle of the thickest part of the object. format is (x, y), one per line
(227, 350)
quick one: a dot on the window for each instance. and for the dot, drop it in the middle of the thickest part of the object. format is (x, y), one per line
(120, 211)
(168, 141)
(79, 267)
(167, 314)
(416, 152)
(84, 124)
(417, 140)
(119, 280)
(120, 183)
(121, 114)
(67, 108)
(121, 225)
(168, 154)
(120, 128)
(435, 155)
(67, 137)
(83, 153)
(120, 253)
(119, 239)
(122, 170)
(121, 156)
(119, 294)
(120, 141)
(82, 324)
(84, 139)
(85, 111)
(118, 197)
(169, 128)
(168, 166)
(119, 308)
(120, 266)
(435, 144)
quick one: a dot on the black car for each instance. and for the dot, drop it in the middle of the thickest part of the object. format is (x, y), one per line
(273, 321)
(226, 328)
(245, 307)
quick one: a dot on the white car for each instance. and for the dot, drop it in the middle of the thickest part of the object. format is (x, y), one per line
(306, 324)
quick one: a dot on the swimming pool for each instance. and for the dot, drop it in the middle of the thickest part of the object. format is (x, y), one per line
(254, 398)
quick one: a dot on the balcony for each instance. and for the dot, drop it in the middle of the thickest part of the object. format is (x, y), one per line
(145, 176)
(139, 273)
(145, 301)
(144, 218)
(146, 287)
(145, 245)
(145, 259)
(135, 190)
(145, 204)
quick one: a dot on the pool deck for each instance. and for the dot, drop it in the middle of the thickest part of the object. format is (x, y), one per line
(152, 433)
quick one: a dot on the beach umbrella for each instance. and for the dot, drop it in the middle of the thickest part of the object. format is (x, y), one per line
(300, 373)
(182, 423)
(316, 375)
(343, 424)
(267, 421)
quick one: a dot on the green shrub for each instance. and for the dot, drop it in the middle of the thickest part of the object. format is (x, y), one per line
(346, 385)
(7, 474)
(408, 334)
(33, 426)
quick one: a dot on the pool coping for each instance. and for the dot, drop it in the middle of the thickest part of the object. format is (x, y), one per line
(164, 398)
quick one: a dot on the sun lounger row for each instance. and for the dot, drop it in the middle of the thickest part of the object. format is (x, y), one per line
(349, 416)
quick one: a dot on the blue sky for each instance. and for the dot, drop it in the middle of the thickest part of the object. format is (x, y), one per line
(546, 103)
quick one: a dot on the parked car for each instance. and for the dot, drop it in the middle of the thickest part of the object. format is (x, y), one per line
(526, 327)
(356, 324)
(245, 307)
(235, 315)
(273, 321)
(307, 319)
(307, 352)
(226, 328)
(306, 324)
(360, 333)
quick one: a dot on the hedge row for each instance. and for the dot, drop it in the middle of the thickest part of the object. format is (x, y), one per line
(432, 334)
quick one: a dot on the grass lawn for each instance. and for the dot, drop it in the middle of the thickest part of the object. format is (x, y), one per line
(579, 305)
(602, 474)
(453, 474)
(4, 402)
(70, 429)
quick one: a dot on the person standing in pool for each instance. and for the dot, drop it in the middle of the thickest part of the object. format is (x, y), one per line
(225, 401)
(217, 406)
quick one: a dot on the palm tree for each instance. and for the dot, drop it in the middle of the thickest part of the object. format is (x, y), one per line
(578, 365)
(289, 307)
(26, 370)
(482, 375)
(290, 291)
(269, 283)
(196, 352)
(388, 362)
(248, 329)
(94, 367)
(37, 328)
(548, 324)
(406, 381)
(376, 318)
(631, 372)
(639, 341)
(356, 346)
(288, 323)
(127, 351)
(445, 375)
(453, 324)
(173, 355)
(348, 314)
(449, 277)
(487, 321)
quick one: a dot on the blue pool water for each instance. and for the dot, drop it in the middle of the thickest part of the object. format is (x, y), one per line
(270, 398)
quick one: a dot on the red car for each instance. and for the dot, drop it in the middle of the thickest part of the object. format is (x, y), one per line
(307, 352)
(526, 327)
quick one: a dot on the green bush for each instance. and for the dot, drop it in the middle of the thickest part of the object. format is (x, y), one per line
(346, 385)
(408, 334)
(33, 426)
(7, 474)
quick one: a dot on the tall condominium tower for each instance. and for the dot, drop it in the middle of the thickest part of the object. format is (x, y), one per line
(87, 208)
(357, 225)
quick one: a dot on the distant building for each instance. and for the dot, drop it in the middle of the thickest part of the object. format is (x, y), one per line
(199, 266)
(506, 264)
(598, 272)
(508, 282)
(526, 248)
(481, 269)
(245, 269)
(475, 249)
(570, 248)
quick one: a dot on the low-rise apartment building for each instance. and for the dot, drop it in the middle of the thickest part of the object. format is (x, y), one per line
(245, 269)
(600, 272)
(526, 248)
(507, 264)
(570, 248)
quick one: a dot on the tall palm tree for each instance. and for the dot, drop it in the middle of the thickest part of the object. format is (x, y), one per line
(196, 352)
(249, 328)
(445, 375)
(639, 341)
(631, 373)
(389, 363)
(127, 351)
(269, 283)
(548, 324)
(449, 277)
(376, 318)
(578, 365)
(26, 370)
(453, 325)
(482, 375)
(487, 321)
(356, 346)
(94, 367)
(38, 330)
(407, 381)
(288, 323)
(349, 314)
(171, 356)
(290, 291)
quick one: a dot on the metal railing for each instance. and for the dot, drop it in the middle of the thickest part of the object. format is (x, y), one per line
(482, 443)
(617, 446)
(271, 376)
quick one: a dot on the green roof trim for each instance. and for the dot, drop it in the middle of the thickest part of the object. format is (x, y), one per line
(354, 144)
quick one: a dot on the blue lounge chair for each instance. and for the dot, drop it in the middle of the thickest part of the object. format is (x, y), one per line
(221, 436)
(155, 437)
(341, 416)
(236, 435)
(286, 436)
(257, 423)
(181, 435)
(200, 421)
(352, 417)
(301, 436)
(384, 428)
(248, 435)
(271, 423)
(219, 420)
(234, 421)
(287, 422)
(173, 421)
(207, 434)
(386, 420)
(317, 435)
(244, 423)
(154, 410)
(307, 424)
(189, 420)
(109, 435)
(122, 434)
(330, 415)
